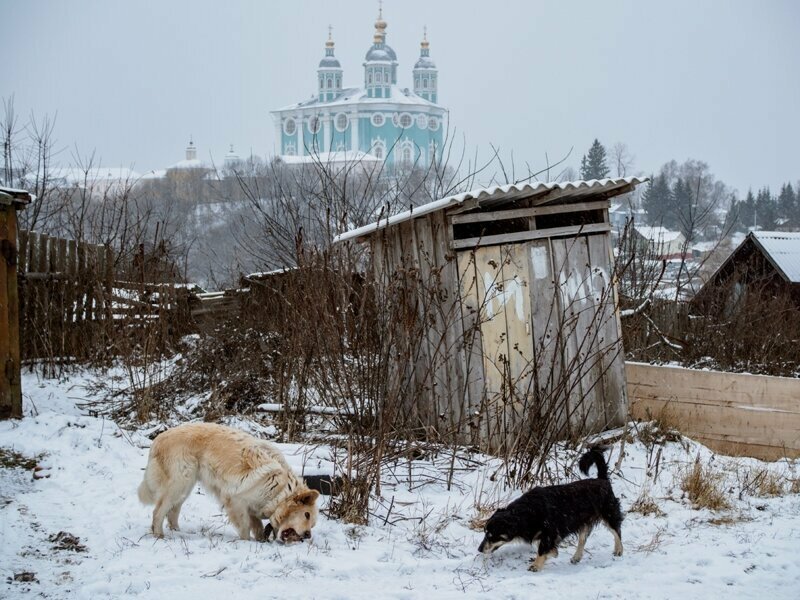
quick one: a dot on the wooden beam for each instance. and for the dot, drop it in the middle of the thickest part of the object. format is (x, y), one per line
(517, 213)
(521, 236)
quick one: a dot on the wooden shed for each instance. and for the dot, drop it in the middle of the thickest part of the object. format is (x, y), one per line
(11, 201)
(766, 262)
(514, 293)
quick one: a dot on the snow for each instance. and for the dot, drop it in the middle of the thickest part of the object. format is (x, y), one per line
(488, 196)
(358, 95)
(661, 235)
(784, 249)
(349, 157)
(108, 175)
(421, 548)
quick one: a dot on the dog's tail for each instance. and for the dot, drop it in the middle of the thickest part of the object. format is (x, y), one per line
(146, 495)
(594, 457)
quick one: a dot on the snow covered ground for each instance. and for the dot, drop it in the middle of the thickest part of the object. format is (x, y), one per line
(426, 548)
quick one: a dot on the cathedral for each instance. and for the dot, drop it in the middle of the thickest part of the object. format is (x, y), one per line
(377, 120)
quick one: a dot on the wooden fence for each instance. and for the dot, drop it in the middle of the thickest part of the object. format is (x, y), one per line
(65, 291)
(731, 413)
(72, 302)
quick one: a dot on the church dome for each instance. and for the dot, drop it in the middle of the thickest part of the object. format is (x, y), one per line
(381, 52)
(425, 62)
(329, 62)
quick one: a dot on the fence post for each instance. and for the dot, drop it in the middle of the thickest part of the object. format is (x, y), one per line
(10, 384)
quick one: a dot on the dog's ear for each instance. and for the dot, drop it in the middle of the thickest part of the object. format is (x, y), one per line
(309, 497)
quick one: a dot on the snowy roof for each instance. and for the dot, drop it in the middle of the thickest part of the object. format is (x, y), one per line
(14, 197)
(358, 95)
(783, 250)
(189, 163)
(155, 174)
(661, 235)
(77, 175)
(342, 156)
(503, 194)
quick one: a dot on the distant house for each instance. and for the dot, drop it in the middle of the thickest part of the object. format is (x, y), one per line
(620, 213)
(766, 261)
(661, 242)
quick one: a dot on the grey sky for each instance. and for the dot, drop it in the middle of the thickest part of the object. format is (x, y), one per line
(717, 81)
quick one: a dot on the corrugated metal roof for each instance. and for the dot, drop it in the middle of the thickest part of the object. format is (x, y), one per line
(783, 248)
(501, 194)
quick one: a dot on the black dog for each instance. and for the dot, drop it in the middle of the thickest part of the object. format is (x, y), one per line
(549, 514)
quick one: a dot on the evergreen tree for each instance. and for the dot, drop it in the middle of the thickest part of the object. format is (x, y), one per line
(593, 165)
(657, 199)
(766, 210)
(731, 222)
(682, 216)
(788, 203)
(746, 212)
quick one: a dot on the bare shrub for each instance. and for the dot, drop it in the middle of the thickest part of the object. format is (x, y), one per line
(704, 487)
(645, 505)
(655, 542)
(660, 430)
(481, 515)
(761, 482)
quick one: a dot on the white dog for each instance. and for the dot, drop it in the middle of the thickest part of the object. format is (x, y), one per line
(248, 475)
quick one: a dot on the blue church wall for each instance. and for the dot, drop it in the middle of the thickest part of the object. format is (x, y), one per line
(404, 133)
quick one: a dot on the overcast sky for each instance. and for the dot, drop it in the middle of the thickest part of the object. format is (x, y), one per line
(717, 81)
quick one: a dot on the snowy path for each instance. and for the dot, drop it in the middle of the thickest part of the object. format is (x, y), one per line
(91, 493)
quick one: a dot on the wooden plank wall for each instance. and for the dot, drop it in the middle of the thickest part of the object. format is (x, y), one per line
(731, 413)
(10, 387)
(64, 295)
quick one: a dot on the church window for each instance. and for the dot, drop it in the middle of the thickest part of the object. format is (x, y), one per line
(369, 76)
(330, 82)
(377, 150)
(377, 119)
(289, 150)
(425, 83)
(406, 154)
(405, 120)
(314, 124)
(378, 77)
(289, 127)
(341, 122)
(422, 121)
(433, 123)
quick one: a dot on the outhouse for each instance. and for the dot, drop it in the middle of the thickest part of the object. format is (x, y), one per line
(517, 321)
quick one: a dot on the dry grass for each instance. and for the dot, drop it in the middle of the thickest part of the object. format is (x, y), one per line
(770, 484)
(10, 459)
(794, 488)
(661, 429)
(654, 543)
(762, 482)
(646, 506)
(729, 519)
(704, 487)
(482, 513)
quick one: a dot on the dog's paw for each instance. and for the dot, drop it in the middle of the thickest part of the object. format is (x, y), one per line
(617, 552)
(575, 560)
(533, 567)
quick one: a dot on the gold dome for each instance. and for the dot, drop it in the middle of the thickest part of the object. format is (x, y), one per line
(380, 23)
(329, 43)
(424, 44)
